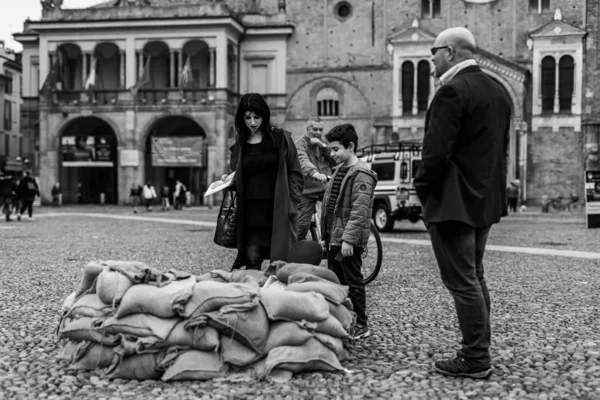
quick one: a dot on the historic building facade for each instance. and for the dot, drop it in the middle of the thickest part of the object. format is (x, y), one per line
(113, 81)
(15, 147)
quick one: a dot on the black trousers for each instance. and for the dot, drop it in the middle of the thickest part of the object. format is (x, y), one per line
(512, 204)
(306, 209)
(459, 250)
(349, 273)
(27, 205)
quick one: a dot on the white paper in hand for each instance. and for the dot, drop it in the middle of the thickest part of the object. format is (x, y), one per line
(219, 185)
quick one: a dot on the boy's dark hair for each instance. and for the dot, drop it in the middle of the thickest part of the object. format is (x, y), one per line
(345, 134)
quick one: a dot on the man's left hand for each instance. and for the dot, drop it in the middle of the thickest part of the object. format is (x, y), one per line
(347, 249)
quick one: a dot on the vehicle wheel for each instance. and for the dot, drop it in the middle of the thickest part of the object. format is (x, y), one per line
(383, 220)
(372, 256)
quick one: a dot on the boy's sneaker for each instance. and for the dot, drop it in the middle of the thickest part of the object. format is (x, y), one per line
(19, 217)
(461, 367)
(31, 219)
(361, 332)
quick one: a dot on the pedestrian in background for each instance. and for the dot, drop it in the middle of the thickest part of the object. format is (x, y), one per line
(56, 195)
(316, 162)
(179, 195)
(16, 204)
(268, 180)
(164, 195)
(462, 186)
(148, 194)
(79, 194)
(346, 219)
(512, 195)
(27, 191)
(135, 196)
(7, 193)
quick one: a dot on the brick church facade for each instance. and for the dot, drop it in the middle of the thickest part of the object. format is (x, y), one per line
(365, 62)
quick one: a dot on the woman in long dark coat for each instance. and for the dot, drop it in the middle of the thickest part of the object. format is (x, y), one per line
(268, 181)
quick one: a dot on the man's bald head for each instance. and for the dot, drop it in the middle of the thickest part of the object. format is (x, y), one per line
(461, 39)
(451, 47)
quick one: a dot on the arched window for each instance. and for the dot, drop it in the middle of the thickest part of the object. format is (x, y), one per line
(328, 102)
(408, 86)
(423, 82)
(539, 6)
(566, 78)
(548, 83)
(431, 8)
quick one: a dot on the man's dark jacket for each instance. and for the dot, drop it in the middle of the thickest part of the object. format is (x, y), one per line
(465, 150)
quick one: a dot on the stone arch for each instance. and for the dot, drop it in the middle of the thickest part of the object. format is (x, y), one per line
(144, 132)
(71, 65)
(320, 82)
(57, 134)
(516, 101)
(108, 65)
(198, 52)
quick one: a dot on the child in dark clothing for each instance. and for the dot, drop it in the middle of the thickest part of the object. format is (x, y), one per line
(346, 219)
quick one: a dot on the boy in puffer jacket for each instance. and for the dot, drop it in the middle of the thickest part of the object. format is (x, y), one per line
(346, 218)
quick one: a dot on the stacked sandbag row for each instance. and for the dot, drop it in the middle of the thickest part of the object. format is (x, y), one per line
(136, 322)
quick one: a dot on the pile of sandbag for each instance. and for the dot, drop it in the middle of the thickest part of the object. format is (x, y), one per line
(133, 321)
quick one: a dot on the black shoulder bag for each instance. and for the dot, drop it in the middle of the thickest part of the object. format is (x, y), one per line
(225, 232)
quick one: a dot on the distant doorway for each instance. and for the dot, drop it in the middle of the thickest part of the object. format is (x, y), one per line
(175, 151)
(88, 162)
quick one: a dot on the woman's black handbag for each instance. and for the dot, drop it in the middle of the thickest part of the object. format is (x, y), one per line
(225, 235)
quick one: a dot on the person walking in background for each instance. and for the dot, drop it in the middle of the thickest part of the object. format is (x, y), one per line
(16, 204)
(512, 194)
(7, 193)
(148, 194)
(316, 162)
(462, 186)
(79, 194)
(135, 196)
(27, 190)
(164, 196)
(346, 218)
(268, 180)
(179, 195)
(56, 195)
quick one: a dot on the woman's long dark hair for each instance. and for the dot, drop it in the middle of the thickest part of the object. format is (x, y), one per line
(256, 103)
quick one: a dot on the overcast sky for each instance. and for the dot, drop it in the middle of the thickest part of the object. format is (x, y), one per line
(14, 12)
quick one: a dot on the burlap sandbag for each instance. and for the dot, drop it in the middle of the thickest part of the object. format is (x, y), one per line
(111, 286)
(238, 276)
(140, 325)
(164, 301)
(332, 327)
(68, 304)
(331, 291)
(287, 270)
(334, 344)
(140, 367)
(346, 317)
(209, 296)
(87, 329)
(281, 333)
(250, 328)
(90, 305)
(91, 356)
(197, 366)
(90, 273)
(68, 350)
(294, 306)
(198, 338)
(312, 356)
(274, 283)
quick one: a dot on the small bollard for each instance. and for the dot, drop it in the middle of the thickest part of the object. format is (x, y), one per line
(102, 198)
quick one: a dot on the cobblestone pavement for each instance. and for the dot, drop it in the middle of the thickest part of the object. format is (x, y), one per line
(546, 336)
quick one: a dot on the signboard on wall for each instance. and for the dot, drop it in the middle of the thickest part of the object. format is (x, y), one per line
(129, 158)
(592, 198)
(177, 151)
(87, 151)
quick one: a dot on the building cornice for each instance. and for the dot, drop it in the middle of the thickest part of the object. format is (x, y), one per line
(320, 70)
(41, 26)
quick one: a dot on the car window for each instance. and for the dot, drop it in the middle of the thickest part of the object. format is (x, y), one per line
(384, 171)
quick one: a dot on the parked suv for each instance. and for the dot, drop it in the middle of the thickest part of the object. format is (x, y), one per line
(396, 165)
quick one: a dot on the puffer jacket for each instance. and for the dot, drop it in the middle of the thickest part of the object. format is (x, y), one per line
(313, 159)
(353, 208)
